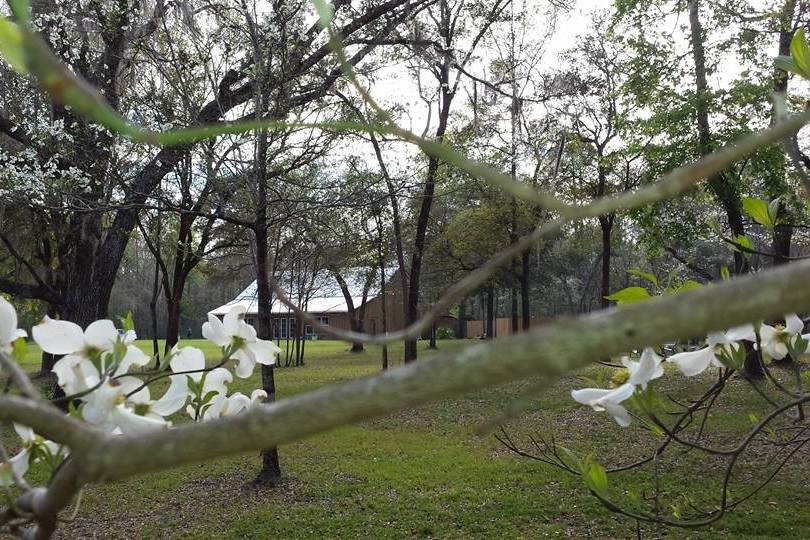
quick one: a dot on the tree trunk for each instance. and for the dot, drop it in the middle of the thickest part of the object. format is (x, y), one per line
(782, 234)
(723, 189)
(606, 225)
(461, 323)
(525, 298)
(412, 303)
(172, 324)
(356, 316)
(153, 313)
(270, 472)
(490, 327)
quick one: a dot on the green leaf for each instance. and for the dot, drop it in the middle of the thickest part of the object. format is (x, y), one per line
(800, 52)
(128, 322)
(786, 63)
(644, 275)
(73, 409)
(597, 479)
(688, 285)
(193, 386)
(758, 210)
(18, 349)
(21, 9)
(725, 275)
(324, 11)
(209, 396)
(11, 45)
(743, 241)
(630, 295)
(6, 478)
(773, 210)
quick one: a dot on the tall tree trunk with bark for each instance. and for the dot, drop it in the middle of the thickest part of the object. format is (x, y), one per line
(782, 234)
(723, 188)
(606, 226)
(461, 322)
(270, 472)
(490, 312)
(525, 292)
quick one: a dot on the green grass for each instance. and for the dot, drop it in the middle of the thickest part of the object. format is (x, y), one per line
(425, 472)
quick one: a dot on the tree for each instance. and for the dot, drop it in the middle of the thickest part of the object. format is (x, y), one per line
(84, 171)
(443, 59)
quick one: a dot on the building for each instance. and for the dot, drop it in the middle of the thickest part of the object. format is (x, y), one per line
(321, 297)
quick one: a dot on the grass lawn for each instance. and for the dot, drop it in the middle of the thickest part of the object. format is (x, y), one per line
(425, 472)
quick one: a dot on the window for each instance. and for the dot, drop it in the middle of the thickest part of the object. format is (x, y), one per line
(282, 329)
(323, 321)
(293, 325)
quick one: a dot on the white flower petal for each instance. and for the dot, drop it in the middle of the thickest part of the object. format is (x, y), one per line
(237, 403)
(214, 331)
(619, 413)
(8, 322)
(694, 362)
(247, 332)
(75, 373)
(216, 381)
(174, 398)
(739, 333)
(263, 351)
(133, 357)
(258, 396)
(58, 337)
(777, 350)
(246, 362)
(25, 432)
(793, 324)
(18, 464)
(619, 394)
(767, 333)
(215, 407)
(587, 396)
(188, 359)
(127, 385)
(101, 335)
(135, 424)
(648, 368)
(56, 449)
(129, 337)
(232, 320)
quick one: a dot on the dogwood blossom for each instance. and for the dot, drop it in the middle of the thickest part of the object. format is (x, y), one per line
(124, 405)
(776, 340)
(692, 363)
(607, 400)
(8, 326)
(20, 463)
(237, 402)
(648, 367)
(233, 331)
(81, 348)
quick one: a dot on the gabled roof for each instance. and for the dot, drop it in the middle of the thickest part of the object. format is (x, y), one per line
(324, 296)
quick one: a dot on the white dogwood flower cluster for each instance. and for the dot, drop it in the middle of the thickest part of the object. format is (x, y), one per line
(722, 350)
(97, 372)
